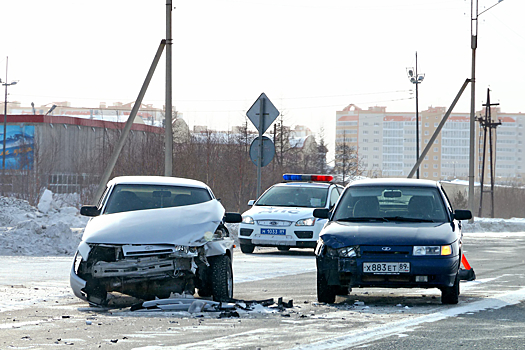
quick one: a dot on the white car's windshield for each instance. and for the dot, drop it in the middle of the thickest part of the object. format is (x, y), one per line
(294, 196)
(403, 203)
(129, 197)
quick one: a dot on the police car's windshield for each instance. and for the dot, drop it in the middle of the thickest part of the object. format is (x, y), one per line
(294, 196)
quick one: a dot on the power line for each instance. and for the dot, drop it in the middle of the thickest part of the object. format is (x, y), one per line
(220, 100)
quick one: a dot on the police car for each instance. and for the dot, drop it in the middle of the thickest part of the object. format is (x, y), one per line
(282, 217)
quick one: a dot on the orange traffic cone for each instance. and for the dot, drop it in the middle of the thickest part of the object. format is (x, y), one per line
(466, 274)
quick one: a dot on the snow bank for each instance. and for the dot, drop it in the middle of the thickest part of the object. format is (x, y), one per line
(54, 229)
(55, 226)
(494, 225)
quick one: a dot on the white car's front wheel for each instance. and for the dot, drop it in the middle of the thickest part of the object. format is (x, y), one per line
(221, 277)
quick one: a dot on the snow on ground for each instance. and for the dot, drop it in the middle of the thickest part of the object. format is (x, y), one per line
(55, 226)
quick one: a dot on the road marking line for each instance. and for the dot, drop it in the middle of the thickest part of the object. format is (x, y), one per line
(362, 337)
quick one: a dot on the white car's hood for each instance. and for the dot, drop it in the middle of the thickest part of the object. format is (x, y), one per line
(279, 213)
(185, 225)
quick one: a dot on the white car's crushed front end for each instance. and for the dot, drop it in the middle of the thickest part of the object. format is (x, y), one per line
(150, 254)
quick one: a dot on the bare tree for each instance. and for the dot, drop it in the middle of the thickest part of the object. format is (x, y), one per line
(346, 160)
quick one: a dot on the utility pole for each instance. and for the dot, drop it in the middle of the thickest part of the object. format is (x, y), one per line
(487, 124)
(344, 156)
(473, 45)
(416, 78)
(4, 149)
(168, 159)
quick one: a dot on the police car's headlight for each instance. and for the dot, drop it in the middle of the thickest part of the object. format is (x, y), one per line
(247, 220)
(432, 250)
(305, 222)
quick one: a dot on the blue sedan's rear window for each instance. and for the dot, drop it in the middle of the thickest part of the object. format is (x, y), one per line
(395, 203)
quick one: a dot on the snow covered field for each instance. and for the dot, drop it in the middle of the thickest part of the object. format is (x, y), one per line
(54, 227)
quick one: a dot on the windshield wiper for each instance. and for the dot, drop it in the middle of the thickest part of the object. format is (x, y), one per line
(359, 219)
(402, 218)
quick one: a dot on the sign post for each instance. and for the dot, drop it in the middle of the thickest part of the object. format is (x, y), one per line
(262, 114)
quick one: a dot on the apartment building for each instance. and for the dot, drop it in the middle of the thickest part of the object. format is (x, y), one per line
(386, 143)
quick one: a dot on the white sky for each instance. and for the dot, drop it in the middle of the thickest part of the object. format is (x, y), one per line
(311, 58)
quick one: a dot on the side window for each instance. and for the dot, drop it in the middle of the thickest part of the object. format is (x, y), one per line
(334, 195)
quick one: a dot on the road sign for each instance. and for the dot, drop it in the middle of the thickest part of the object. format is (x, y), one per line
(269, 112)
(267, 153)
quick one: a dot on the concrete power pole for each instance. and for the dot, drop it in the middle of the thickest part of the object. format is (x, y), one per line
(168, 142)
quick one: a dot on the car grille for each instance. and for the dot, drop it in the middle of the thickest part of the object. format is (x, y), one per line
(146, 250)
(386, 278)
(304, 234)
(139, 267)
(274, 223)
(385, 250)
(245, 231)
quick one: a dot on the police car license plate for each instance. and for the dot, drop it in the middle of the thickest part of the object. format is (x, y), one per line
(386, 268)
(273, 231)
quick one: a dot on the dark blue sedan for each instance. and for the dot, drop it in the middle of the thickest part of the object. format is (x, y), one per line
(390, 233)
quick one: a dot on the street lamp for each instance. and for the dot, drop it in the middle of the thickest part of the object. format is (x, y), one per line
(473, 44)
(6, 84)
(416, 79)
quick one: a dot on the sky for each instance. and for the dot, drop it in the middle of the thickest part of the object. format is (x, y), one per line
(311, 58)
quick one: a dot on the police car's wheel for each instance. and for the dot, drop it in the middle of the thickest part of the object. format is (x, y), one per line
(283, 248)
(247, 248)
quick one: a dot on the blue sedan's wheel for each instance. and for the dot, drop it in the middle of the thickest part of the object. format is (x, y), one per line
(450, 295)
(325, 293)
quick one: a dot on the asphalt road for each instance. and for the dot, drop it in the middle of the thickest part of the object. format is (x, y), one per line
(38, 311)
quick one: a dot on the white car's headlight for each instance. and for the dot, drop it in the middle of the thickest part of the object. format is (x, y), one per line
(189, 251)
(247, 220)
(77, 261)
(420, 250)
(305, 222)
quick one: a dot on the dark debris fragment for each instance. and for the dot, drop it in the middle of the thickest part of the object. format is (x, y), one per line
(228, 314)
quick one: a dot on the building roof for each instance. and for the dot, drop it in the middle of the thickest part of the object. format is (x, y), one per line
(51, 119)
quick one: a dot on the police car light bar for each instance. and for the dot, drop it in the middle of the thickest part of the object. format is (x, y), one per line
(307, 177)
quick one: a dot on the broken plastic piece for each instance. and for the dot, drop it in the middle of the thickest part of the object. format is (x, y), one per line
(280, 303)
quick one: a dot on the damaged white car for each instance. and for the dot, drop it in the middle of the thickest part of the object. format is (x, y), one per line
(152, 236)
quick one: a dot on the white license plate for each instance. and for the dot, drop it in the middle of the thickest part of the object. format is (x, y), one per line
(386, 268)
(273, 231)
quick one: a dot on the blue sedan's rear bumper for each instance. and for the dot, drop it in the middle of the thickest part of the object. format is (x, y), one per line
(439, 271)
